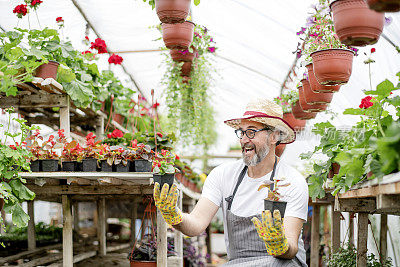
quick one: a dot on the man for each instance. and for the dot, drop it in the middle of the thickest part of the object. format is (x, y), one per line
(252, 236)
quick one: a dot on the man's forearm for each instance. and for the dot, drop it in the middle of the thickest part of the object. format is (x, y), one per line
(189, 226)
(291, 252)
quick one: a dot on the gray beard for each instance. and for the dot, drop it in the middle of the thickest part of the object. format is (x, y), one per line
(258, 156)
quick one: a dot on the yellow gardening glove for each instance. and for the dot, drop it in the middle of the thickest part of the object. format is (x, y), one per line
(272, 233)
(166, 203)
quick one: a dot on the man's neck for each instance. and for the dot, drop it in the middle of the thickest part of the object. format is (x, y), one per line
(264, 167)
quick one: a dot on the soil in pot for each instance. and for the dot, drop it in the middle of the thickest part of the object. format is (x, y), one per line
(49, 165)
(313, 98)
(275, 205)
(142, 165)
(178, 36)
(143, 264)
(384, 5)
(172, 11)
(164, 179)
(307, 107)
(105, 167)
(89, 165)
(296, 124)
(298, 112)
(316, 86)
(355, 23)
(332, 66)
(35, 166)
(121, 167)
(47, 70)
(68, 166)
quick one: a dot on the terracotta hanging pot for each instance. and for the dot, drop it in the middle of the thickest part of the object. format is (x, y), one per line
(143, 263)
(384, 5)
(178, 36)
(356, 24)
(307, 107)
(298, 112)
(296, 124)
(335, 167)
(47, 70)
(172, 11)
(182, 55)
(313, 98)
(279, 149)
(332, 66)
(316, 86)
(186, 69)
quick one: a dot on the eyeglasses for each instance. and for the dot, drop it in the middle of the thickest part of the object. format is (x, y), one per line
(250, 133)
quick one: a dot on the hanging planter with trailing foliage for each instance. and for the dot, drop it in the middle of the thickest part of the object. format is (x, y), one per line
(172, 11)
(47, 70)
(308, 107)
(182, 55)
(384, 5)
(316, 86)
(332, 66)
(313, 98)
(355, 23)
(178, 36)
(298, 112)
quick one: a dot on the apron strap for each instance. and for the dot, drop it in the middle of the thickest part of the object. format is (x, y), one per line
(230, 198)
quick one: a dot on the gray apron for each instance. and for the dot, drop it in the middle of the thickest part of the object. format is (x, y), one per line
(246, 248)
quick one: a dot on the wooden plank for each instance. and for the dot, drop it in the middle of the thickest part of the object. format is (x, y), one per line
(355, 205)
(383, 237)
(128, 176)
(50, 84)
(78, 258)
(101, 226)
(33, 101)
(75, 207)
(31, 227)
(100, 128)
(134, 216)
(388, 203)
(43, 260)
(24, 254)
(315, 239)
(67, 232)
(335, 230)
(161, 241)
(64, 120)
(118, 247)
(392, 188)
(351, 228)
(91, 189)
(362, 238)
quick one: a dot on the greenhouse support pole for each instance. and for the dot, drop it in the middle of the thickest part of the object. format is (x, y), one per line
(133, 221)
(351, 229)
(64, 119)
(75, 207)
(315, 239)
(31, 226)
(161, 241)
(178, 237)
(68, 256)
(101, 225)
(383, 236)
(362, 238)
(335, 230)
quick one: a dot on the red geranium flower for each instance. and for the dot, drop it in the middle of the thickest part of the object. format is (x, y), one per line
(117, 133)
(87, 38)
(36, 2)
(155, 105)
(373, 50)
(177, 157)
(99, 45)
(115, 59)
(366, 102)
(20, 10)
(13, 147)
(109, 135)
(134, 143)
(159, 134)
(59, 19)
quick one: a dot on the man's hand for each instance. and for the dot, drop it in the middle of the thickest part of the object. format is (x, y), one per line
(166, 203)
(272, 233)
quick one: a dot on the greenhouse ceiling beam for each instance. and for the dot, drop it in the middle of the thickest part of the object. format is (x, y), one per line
(99, 36)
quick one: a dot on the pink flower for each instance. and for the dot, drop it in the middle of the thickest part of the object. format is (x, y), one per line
(211, 49)
(366, 102)
(115, 59)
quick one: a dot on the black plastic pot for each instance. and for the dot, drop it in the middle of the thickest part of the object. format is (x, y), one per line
(35, 166)
(69, 166)
(121, 167)
(164, 179)
(89, 165)
(275, 205)
(49, 165)
(131, 164)
(142, 165)
(105, 167)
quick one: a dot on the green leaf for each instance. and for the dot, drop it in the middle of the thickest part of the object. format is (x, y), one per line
(65, 75)
(21, 191)
(33, 51)
(354, 111)
(19, 217)
(383, 89)
(81, 93)
(94, 69)
(196, 2)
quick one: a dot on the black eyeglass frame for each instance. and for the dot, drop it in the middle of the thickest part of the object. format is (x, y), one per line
(237, 131)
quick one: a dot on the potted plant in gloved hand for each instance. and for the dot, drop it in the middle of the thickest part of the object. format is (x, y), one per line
(163, 168)
(272, 201)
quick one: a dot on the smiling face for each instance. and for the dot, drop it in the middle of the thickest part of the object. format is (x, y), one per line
(256, 149)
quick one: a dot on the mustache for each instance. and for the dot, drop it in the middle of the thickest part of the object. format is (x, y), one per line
(248, 146)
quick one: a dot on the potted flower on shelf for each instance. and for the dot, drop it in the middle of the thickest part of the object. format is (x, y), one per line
(140, 156)
(163, 168)
(72, 153)
(90, 152)
(272, 201)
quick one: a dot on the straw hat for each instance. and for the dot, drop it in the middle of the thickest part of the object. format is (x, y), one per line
(269, 113)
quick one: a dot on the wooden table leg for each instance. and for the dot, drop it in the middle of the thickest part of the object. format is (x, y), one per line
(178, 238)
(383, 236)
(67, 232)
(161, 241)
(101, 226)
(315, 238)
(362, 238)
(31, 226)
(335, 230)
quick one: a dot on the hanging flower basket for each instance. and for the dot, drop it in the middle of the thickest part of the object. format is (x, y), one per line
(182, 55)
(315, 98)
(307, 107)
(298, 112)
(172, 11)
(332, 66)
(47, 70)
(384, 5)
(355, 23)
(178, 36)
(279, 149)
(316, 86)
(296, 124)
(186, 69)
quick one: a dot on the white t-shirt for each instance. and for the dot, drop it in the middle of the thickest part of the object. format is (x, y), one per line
(248, 201)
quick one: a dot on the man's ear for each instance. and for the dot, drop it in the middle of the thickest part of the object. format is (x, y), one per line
(274, 138)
